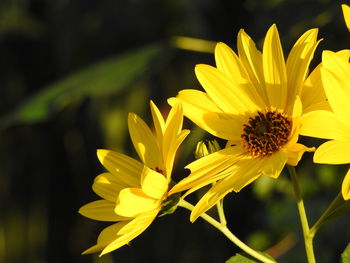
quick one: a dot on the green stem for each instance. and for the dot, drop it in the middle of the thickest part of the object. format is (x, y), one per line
(223, 229)
(330, 210)
(220, 207)
(308, 237)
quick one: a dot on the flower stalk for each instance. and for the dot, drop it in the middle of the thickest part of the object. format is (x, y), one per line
(223, 229)
(308, 235)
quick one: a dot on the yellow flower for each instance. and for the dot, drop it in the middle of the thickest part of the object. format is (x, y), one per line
(133, 192)
(346, 13)
(254, 101)
(333, 125)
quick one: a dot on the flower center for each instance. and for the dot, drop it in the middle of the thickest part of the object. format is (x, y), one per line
(266, 133)
(158, 170)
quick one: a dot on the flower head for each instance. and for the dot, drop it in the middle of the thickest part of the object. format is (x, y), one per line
(254, 101)
(333, 125)
(133, 193)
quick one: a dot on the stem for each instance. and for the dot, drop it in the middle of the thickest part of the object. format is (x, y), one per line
(223, 229)
(220, 207)
(308, 237)
(330, 210)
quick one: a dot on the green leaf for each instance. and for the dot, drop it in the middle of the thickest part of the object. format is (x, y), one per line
(107, 77)
(240, 258)
(345, 256)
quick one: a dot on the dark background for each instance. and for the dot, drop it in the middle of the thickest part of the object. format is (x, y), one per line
(70, 71)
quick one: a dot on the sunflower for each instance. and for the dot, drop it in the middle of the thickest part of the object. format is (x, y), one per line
(333, 125)
(133, 193)
(346, 13)
(254, 100)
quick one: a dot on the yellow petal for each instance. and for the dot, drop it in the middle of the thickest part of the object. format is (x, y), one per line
(294, 134)
(247, 171)
(313, 95)
(344, 54)
(337, 97)
(133, 229)
(251, 58)
(144, 142)
(207, 169)
(108, 186)
(228, 62)
(274, 67)
(158, 121)
(154, 184)
(298, 62)
(345, 189)
(133, 201)
(211, 119)
(172, 130)
(106, 236)
(336, 80)
(125, 169)
(333, 152)
(346, 13)
(296, 151)
(324, 124)
(273, 164)
(169, 159)
(101, 210)
(229, 96)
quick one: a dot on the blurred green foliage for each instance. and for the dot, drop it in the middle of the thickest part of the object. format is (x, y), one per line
(70, 73)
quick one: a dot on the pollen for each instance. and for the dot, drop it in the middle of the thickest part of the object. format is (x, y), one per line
(266, 133)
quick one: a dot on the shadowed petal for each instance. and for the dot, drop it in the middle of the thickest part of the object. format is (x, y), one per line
(229, 96)
(101, 210)
(144, 142)
(251, 58)
(298, 62)
(126, 169)
(108, 186)
(296, 151)
(201, 110)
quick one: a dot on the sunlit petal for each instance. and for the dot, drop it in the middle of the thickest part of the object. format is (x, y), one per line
(324, 124)
(346, 13)
(333, 152)
(107, 235)
(154, 184)
(274, 67)
(133, 201)
(345, 189)
(131, 230)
